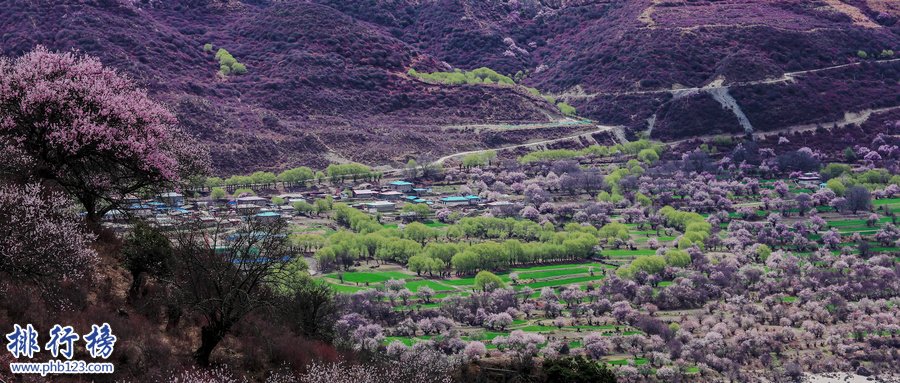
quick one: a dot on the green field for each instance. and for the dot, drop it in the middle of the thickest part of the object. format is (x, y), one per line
(370, 277)
(562, 282)
(624, 253)
(553, 273)
(623, 362)
(434, 285)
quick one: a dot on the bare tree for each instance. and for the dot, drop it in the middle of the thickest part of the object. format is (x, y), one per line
(223, 276)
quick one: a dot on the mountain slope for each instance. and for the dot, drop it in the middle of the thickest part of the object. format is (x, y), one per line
(330, 76)
(317, 80)
(618, 61)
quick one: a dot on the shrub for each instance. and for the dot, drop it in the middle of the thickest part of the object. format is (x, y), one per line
(146, 252)
(310, 308)
(218, 193)
(834, 170)
(486, 281)
(577, 370)
(228, 64)
(566, 109)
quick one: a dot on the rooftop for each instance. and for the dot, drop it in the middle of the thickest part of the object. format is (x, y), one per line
(380, 203)
(401, 183)
(460, 198)
(268, 214)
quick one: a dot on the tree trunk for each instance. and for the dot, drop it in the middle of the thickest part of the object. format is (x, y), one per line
(137, 279)
(210, 336)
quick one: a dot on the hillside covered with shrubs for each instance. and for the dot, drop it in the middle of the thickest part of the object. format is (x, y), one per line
(286, 81)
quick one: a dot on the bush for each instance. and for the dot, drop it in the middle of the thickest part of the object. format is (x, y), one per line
(218, 193)
(577, 370)
(310, 308)
(207, 47)
(228, 64)
(858, 198)
(486, 281)
(247, 191)
(566, 109)
(834, 170)
(146, 251)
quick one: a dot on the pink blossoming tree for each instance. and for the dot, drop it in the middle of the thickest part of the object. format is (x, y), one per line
(89, 130)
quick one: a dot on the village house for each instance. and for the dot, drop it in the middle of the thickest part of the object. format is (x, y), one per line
(140, 210)
(252, 200)
(415, 199)
(364, 193)
(208, 221)
(268, 216)
(401, 186)
(380, 206)
(293, 197)
(809, 180)
(171, 199)
(247, 209)
(131, 199)
(460, 200)
(391, 195)
(287, 210)
(115, 216)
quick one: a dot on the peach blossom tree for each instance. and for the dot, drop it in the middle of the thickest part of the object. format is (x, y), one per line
(89, 130)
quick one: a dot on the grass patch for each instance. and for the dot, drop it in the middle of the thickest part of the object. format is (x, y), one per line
(624, 362)
(371, 277)
(552, 273)
(562, 282)
(344, 289)
(436, 286)
(617, 253)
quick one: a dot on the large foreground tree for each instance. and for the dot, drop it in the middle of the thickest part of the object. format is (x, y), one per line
(67, 120)
(224, 275)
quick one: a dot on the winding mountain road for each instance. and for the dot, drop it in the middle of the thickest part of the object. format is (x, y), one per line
(584, 135)
(578, 94)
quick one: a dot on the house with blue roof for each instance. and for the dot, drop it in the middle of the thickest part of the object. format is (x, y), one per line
(268, 216)
(461, 200)
(171, 199)
(401, 186)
